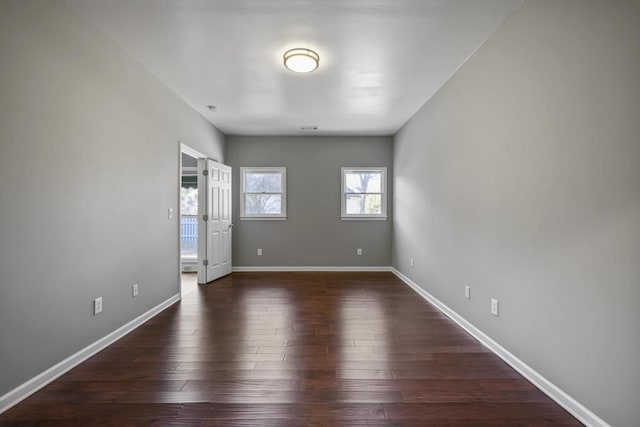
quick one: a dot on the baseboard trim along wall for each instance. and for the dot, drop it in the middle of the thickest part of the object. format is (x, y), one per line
(574, 407)
(25, 390)
(241, 269)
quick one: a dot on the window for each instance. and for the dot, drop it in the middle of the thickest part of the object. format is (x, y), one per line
(364, 193)
(263, 193)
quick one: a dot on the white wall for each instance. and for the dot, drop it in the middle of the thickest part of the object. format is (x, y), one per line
(88, 168)
(521, 178)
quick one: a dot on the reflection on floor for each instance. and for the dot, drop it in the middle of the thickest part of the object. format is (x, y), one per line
(188, 283)
(294, 349)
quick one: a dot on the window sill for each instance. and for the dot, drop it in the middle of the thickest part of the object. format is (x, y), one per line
(363, 218)
(263, 218)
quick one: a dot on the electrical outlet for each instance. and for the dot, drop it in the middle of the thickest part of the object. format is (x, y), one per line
(134, 290)
(411, 261)
(97, 306)
(467, 292)
(170, 213)
(259, 251)
(494, 307)
(359, 251)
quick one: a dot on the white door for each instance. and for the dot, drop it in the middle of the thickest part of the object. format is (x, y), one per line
(214, 233)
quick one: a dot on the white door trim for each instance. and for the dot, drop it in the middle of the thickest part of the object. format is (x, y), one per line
(183, 148)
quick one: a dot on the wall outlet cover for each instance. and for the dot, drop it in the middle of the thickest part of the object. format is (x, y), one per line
(494, 306)
(97, 306)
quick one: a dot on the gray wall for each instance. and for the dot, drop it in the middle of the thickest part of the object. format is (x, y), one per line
(521, 178)
(88, 168)
(313, 234)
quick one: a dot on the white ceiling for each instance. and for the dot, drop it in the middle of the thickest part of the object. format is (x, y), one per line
(380, 60)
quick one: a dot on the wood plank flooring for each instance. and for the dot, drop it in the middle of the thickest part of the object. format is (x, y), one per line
(294, 349)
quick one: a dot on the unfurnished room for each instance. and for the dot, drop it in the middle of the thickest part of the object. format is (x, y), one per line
(320, 213)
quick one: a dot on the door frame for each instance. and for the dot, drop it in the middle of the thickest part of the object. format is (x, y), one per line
(185, 149)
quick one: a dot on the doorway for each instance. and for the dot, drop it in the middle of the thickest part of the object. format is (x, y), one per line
(188, 196)
(205, 227)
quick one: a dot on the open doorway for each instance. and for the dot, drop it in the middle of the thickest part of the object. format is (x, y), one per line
(188, 219)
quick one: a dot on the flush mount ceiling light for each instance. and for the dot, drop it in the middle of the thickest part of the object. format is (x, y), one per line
(301, 60)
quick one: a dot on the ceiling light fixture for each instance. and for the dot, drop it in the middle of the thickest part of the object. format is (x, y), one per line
(301, 60)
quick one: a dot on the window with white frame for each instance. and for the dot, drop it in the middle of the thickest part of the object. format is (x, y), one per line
(263, 193)
(364, 193)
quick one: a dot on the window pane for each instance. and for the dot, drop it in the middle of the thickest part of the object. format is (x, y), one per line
(263, 204)
(361, 204)
(363, 182)
(263, 182)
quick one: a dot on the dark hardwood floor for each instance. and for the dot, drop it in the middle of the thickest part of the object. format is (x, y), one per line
(294, 349)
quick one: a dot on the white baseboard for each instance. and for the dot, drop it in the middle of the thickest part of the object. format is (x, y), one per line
(188, 265)
(574, 407)
(26, 389)
(239, 269)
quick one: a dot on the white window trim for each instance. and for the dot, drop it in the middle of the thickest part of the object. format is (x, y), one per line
(283, 214)
(343, 205)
